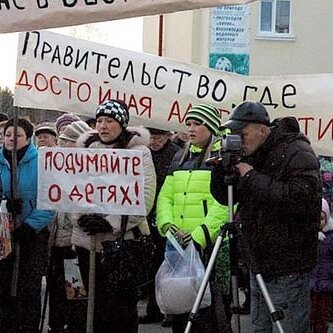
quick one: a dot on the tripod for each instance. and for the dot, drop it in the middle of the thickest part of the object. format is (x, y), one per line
(276, 315)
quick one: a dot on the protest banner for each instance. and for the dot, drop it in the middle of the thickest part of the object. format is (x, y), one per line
(108, 181)
(26, 15)
(63, 73)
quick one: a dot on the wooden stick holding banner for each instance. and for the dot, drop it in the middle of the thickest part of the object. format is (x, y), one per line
(91, 293)
(16, 217)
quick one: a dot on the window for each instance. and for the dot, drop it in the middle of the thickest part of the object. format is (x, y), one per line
(275, 17)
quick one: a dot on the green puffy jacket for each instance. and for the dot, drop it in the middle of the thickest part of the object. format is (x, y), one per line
(185, 199)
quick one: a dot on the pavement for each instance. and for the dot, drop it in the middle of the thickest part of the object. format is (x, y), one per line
(245, 321)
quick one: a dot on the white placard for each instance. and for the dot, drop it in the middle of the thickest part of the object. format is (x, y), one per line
(107, 181)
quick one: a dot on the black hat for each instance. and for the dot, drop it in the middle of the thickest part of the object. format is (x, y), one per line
(117, 110)
(246, 113)
(3, 117)
(27, 126)
(91, 122)
(156, 131)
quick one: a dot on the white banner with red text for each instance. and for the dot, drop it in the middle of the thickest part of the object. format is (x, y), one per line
(78, 180)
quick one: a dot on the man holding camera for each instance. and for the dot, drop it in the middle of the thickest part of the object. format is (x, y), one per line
(278, 192)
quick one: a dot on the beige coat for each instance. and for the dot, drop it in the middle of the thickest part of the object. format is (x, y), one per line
(138, 142)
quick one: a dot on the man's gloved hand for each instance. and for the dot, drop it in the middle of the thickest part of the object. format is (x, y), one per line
(94, 224)
(24, 231)
(15, 206)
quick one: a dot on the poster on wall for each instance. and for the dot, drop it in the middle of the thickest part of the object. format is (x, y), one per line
(230, 38)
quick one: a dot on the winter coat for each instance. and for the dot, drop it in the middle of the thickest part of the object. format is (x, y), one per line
(185, 199)
(27, 171)
(322, 275)
(139, 141)
(64, 229)
(279, 203)
(162, 160)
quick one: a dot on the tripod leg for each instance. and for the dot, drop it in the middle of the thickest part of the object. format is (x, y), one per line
(276, 315)
(205, 280)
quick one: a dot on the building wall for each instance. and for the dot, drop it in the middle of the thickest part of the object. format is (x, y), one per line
(186, 38)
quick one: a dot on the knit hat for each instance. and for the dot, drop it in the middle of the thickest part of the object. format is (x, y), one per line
(117, 110)
(27, 126)
(65, 120)
(325, 208)
(207, 114)
(74, 130)
(45, 128)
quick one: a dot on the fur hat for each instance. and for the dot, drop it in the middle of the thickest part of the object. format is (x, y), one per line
(117, 110)
(65, 120)
(325, 208)
(206, 114)
(27, 126)
(74, 130)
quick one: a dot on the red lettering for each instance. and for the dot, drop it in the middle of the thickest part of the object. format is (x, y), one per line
(75, 193)
(124, 192)
(89, 191)
(306, 120)
(54, 193)
(112, 189)
(135, 162)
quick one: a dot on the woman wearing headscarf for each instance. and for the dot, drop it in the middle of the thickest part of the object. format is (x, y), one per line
(115, 310)
(22, 313)
(187, 209)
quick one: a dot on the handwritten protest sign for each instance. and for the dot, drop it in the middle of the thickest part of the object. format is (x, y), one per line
(76, 180)
(67, 74)
(26, 15)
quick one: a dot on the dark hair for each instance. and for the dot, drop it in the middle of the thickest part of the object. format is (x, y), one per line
(3, 117)
(27, 126)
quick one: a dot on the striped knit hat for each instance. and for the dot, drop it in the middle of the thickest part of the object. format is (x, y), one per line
(207, 114)
(117, 110)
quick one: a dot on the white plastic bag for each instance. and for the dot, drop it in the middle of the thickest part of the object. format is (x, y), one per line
(178, 280)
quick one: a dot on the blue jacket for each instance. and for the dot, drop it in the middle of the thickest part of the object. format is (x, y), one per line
(27, 171)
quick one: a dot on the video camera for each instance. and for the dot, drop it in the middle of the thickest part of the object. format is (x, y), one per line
(230, 154)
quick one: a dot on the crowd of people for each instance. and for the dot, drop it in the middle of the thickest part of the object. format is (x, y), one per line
(284, 225)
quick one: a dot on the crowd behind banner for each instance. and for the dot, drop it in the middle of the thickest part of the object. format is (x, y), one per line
(182, 214)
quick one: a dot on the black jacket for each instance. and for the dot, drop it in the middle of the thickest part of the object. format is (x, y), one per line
(279, 203)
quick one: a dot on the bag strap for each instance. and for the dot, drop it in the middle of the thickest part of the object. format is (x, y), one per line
(207, 237)
(124, 221)
(136, 230)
